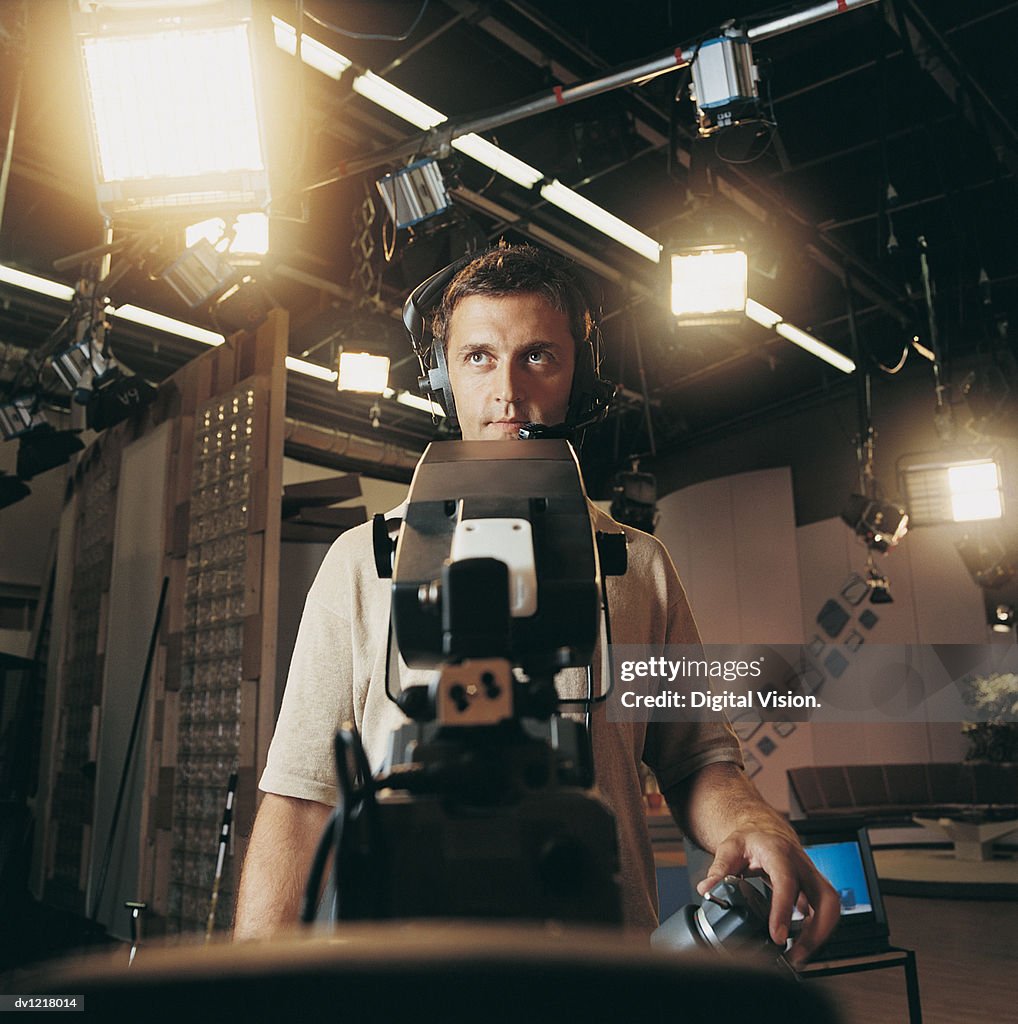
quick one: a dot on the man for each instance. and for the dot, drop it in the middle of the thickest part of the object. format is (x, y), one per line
(514, 327)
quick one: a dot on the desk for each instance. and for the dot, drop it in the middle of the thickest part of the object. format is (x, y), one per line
(893, 957)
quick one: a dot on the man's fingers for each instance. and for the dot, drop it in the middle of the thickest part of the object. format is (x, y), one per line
(729, 859)
(826, 912)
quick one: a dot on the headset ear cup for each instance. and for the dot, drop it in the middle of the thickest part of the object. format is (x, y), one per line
(591, 395)
(440, 385)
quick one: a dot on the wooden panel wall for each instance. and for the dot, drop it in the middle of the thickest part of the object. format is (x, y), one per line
(210, 704)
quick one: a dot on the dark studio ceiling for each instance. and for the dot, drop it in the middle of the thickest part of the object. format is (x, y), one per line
(895, 122)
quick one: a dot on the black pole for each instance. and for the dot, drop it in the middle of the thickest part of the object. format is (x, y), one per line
(101, 884)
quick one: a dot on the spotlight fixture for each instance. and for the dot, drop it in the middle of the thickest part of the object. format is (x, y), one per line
(19, 416)
(709, 285)
(81, 364)
(162, 140)
(634, 499)
(990, 561)
(414, 193)
(244, 239)
(12, 489)
(709, 268)
(725, 82)
(1001, 618)
(117, 396)
(361, 371)
(880, 524)
(244, 306)
(878, 584)
(43, 447)
(939, 490)
(199, 273)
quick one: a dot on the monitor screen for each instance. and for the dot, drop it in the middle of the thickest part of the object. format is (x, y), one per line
(841, 864)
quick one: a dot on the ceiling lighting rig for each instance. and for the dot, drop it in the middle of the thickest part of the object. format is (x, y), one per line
(725, 87)
(880, 524)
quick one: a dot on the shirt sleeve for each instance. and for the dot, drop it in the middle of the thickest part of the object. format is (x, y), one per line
(319, 694)
(676, 750)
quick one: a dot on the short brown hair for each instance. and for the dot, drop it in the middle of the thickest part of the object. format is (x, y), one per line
(518, 269)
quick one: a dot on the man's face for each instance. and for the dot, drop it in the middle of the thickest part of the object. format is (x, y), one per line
(511, 362)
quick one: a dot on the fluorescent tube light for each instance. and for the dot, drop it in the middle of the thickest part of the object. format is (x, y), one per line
(313, 53)
(42, 285)
(762, 315)
(413, 401)
(598, 217)
(498, 160)
(815, 347)
(396, 101)
(148, 318)
(311, 369)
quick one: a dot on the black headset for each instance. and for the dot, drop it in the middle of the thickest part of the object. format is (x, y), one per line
(590, 396)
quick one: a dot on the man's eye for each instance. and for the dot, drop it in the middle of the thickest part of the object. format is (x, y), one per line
(477, 358)
(538, 356)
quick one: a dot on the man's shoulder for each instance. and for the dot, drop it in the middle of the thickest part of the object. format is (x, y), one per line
(644, 547)
(351, 557)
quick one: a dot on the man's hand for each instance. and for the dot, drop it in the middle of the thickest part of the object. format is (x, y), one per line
(721, 810)
(778, 857)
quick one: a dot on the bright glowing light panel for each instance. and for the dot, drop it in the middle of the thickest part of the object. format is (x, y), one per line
(709, 284)
(975, 492)
(962, 492)
(359, 371)
(175, 117)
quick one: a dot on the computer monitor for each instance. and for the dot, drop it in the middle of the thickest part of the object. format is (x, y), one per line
(840, 848)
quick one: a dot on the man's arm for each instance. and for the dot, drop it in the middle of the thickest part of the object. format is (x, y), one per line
(283, 841)
(721, 810)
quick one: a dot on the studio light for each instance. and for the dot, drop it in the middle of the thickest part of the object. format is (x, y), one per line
(20, 415)
(1001, 618)
(414, 193)
(634, 499)
(725, 82)
(244, 306)
(879, 586)
(199, 274)
(117, 396)
(173, 107)
(12, 489)
(709, 285)
(244, 238)
(990, 561)
(361, 371)
(951, 491)
(44, 447)
(880, 524)
(202, 276)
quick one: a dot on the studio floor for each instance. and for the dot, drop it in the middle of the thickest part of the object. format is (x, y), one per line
(966, 952)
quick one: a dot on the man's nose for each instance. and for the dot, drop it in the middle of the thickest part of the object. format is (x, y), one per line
(509, 382)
